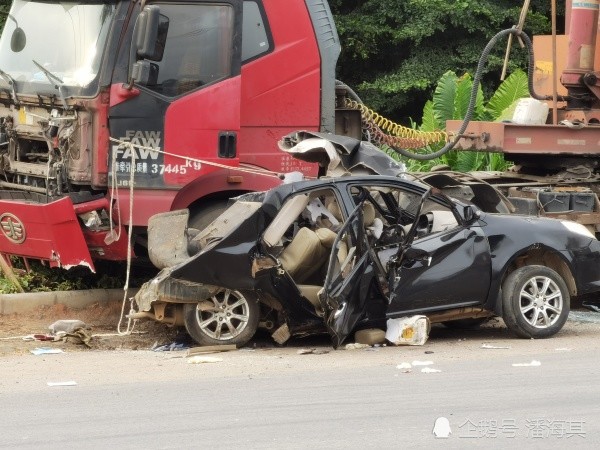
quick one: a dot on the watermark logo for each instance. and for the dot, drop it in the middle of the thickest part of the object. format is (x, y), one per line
(536, 428)
(12, 228)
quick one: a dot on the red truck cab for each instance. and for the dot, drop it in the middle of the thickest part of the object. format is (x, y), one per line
(186, 98)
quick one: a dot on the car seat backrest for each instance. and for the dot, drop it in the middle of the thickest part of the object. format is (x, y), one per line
(304, 255)
(288, 214)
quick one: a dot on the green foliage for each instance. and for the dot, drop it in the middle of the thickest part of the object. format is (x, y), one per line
(450, 101)
(444, 97)
(393, 52)
(4, 7)
(43, 279)
(511, 90)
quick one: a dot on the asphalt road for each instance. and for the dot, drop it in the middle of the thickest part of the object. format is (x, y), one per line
(277, 398)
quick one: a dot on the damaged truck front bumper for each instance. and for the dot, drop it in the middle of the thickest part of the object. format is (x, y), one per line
(55, 231)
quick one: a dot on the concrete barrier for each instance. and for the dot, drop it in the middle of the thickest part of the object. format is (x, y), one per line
(22, 303)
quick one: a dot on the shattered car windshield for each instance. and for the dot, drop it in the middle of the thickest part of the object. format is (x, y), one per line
(66, 39)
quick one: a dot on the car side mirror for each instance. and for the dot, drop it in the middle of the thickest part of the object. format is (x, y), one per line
(469, 214)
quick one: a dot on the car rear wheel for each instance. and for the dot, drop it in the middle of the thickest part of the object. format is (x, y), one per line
(535, 302)
(228, 317)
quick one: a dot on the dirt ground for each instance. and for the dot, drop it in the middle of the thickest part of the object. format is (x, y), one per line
(103, 320)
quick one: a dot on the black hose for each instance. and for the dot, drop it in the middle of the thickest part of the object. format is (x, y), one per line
(476, 81)
(350, 91)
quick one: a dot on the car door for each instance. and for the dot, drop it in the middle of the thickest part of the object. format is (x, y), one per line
(349, 276)
(445, 269)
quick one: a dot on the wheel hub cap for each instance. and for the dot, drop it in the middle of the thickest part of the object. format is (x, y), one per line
(541, 302)
(227, 316)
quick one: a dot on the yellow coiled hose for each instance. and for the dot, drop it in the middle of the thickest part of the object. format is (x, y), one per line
(385, 132)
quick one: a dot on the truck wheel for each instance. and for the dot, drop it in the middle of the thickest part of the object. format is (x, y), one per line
(228, 317)
(202, 215)
(535, 302)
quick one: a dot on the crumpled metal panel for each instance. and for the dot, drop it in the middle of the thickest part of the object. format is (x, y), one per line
(164, 288)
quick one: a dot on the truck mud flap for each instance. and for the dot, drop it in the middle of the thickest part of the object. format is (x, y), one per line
(49, 231)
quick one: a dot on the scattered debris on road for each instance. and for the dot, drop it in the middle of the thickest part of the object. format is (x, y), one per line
(499, 347)
(61, 383)
(413, 330)
(533, 363)
(312, 351)
(203, 359)
(46, 351)
(211, 349)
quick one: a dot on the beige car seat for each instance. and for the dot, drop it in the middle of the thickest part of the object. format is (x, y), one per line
(307, 252)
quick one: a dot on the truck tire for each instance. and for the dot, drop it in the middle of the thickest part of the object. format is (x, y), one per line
(228, 317)
(535, 302)
(202, 215)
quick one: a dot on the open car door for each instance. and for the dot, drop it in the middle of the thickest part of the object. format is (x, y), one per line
(348, 281)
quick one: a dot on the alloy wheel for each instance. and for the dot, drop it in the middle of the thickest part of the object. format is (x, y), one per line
(541, 302)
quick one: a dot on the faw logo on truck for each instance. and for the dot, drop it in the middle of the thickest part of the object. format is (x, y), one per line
(12, 228)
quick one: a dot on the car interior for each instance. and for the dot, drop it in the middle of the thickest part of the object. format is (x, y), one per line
(302, 234)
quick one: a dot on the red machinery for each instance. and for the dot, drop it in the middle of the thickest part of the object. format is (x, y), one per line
(557, 170)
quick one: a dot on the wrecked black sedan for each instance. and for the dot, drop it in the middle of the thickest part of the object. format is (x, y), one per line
(345, 253)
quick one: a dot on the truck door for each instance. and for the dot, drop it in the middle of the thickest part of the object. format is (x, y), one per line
(189, 105)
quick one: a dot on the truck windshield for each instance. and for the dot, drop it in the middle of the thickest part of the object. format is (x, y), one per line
(65, 38)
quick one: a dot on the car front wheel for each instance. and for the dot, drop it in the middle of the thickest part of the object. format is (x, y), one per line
(228, 317)
(535, 302)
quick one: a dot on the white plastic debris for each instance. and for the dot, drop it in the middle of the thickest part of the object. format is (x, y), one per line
(203, 359)
(356, 346)
(46, 351)
(66, 326)
(441, 428)
(292, 177)
(533, 363)
(62, 383)
(413, 330)
(430, 370)
(312, 351)
(563, 349)
(422, 363)
(495, 346)
(404, 365)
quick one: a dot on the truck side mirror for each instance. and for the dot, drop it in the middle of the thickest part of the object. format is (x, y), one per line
(151, 33)
(145, 73)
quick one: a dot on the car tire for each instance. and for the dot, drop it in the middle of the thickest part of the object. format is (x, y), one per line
(228, 317)
(535, 302)
(465, 324)
(203, 215)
